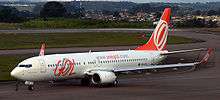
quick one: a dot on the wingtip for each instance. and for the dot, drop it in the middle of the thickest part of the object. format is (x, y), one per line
(207, 56)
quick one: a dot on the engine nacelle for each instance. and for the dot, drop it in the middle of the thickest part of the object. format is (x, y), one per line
(103, 77)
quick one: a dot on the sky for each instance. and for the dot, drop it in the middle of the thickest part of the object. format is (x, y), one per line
(137, 1)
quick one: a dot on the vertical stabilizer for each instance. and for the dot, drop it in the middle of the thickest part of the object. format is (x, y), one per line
(158, 39)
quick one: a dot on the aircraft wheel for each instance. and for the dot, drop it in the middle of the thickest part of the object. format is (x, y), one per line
(115, 83)
(31, 87)
(86, 81)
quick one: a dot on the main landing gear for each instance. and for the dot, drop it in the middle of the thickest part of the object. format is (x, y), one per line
(86, 81)
(115, 83)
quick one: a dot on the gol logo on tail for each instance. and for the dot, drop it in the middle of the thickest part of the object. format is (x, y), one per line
(64, 67)
(160, 37)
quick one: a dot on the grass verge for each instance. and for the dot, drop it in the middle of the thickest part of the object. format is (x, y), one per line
(52, 23)
(9, 26)
(58, 40)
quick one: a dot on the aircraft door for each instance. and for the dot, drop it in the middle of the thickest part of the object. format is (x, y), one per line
(43, 68)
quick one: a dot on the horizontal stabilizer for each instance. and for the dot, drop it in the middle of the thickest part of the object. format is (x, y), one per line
(184, 51)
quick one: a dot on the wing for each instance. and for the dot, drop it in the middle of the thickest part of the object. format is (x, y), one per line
(157, 67)
(204, 60)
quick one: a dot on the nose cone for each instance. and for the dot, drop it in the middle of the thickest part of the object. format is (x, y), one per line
(14, 73)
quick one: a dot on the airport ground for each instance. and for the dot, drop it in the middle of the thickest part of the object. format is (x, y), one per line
(201, 84)
(61, 40)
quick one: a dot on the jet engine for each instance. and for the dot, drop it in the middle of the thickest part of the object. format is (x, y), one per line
(103, 77)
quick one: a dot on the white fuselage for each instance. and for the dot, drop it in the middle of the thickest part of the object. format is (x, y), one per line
(75, 65)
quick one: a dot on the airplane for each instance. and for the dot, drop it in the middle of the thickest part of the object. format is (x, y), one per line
(101, 68)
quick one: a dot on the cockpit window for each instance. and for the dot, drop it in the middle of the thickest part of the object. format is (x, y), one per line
(27, 66)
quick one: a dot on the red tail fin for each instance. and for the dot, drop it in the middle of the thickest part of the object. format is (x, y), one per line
(158, 39)
(42, 50)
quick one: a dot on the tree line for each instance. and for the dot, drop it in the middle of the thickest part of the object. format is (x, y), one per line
(55, 9)
(51, 9)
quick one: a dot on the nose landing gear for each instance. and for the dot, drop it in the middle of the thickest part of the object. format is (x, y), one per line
(30, 85)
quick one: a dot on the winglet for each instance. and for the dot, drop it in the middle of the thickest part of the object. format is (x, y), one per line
(42, 50)
(207, 56)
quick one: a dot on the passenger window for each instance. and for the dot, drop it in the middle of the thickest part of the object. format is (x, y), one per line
(27, 66)
(21, 66)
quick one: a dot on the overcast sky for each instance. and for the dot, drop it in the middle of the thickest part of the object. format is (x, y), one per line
(138, 1)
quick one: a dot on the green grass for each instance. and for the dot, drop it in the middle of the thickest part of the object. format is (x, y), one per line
(69, 23)
(58, 40)
(76, 23)
(7, 63)
(8, 26)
